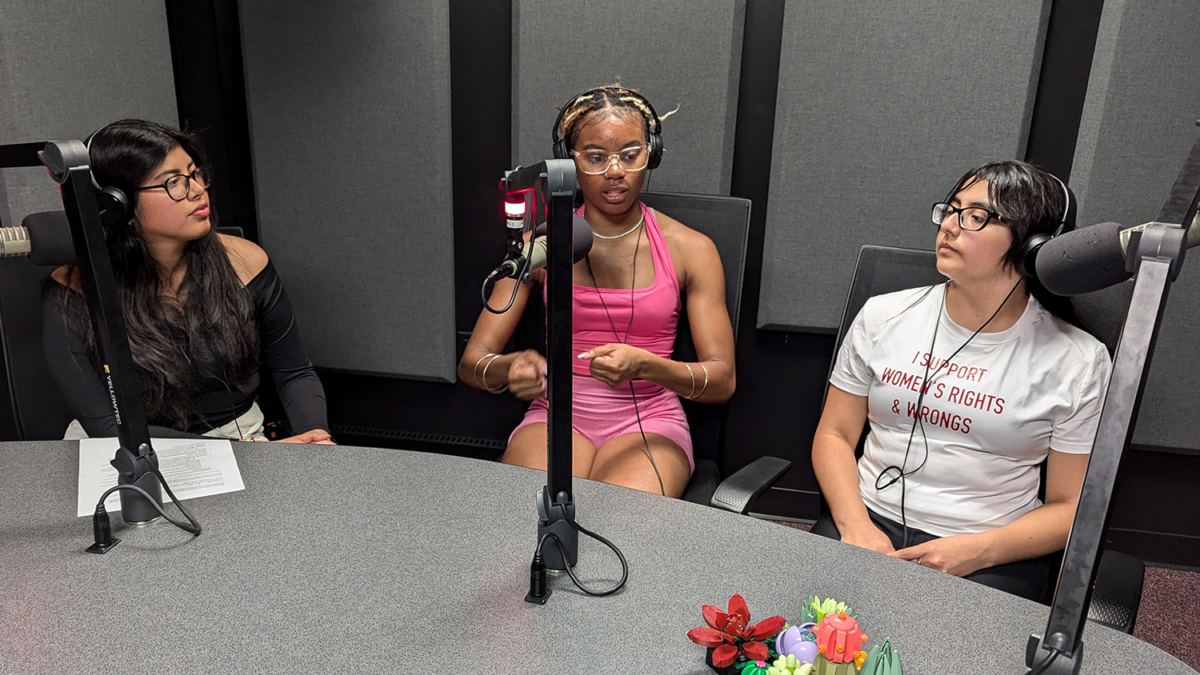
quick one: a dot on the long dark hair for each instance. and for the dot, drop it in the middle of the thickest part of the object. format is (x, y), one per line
(1031, 202)
(213, 331)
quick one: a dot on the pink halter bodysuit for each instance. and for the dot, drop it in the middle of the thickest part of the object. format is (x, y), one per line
(601, 413)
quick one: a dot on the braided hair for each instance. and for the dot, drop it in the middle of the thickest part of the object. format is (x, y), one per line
(610, 100)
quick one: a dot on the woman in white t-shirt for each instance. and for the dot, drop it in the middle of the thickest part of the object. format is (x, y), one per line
(969, 387)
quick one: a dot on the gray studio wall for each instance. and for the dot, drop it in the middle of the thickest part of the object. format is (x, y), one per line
(1139, 123)
(350, 130)
(685, 54)
(66, 68)
(880, 109)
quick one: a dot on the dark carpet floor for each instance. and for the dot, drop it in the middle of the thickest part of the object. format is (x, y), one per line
(1169, 616)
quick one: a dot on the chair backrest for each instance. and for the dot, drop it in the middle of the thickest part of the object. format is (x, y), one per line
(725, 220)
(880, 270)
(29, 397)
(34, 409)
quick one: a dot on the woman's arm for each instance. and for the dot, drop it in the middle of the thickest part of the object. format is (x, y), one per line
(836, 469)
(296, 381)
(485, 366)
(1041, 531)
(713, 378)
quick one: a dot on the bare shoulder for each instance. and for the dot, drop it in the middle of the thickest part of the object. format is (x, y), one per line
(69, 277)
(685, 242)
(247, 257)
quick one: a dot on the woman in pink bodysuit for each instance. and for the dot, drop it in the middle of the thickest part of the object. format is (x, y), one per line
(627, 297)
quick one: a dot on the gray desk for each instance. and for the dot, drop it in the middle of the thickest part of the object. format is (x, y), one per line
(365, 560)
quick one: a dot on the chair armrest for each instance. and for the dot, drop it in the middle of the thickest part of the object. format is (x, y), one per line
(737, 491)
(1118, 591)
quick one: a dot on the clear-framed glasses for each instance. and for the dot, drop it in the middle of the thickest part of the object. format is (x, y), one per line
(179, 186)
(972, 218)
(594, 162)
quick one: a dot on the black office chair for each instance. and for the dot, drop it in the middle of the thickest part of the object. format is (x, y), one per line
(725, 220)
(884, 269)
(38, 410)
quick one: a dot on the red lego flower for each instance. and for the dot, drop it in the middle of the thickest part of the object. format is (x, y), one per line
(731, 633)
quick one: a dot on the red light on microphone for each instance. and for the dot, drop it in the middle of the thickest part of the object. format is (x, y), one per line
(514, 207)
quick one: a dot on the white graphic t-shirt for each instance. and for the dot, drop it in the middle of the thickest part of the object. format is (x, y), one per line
(989, 417)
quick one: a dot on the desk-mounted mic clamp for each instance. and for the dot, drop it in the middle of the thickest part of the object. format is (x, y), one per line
(554, 521)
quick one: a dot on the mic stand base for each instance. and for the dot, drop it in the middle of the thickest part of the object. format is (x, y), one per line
(138, 469)
(1062, 664)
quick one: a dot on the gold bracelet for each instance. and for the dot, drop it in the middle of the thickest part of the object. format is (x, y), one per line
(705, 380)
(689, 367)
(475, 370)
(497, 390)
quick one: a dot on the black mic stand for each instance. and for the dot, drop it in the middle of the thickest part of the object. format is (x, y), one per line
(553, 183)
(135, 461)
(1156, 260)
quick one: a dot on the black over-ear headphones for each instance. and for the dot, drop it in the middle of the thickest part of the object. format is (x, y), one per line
(1033, 243)
(115, 206)
(655, 141)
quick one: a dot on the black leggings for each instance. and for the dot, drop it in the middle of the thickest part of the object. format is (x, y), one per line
(1030, 579)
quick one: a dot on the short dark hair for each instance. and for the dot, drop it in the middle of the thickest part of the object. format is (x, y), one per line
(1030, 202)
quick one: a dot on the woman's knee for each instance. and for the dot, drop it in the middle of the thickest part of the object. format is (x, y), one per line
(527, 448)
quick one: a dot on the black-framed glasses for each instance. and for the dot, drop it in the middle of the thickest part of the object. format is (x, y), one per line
(179, 186)
(972, 218)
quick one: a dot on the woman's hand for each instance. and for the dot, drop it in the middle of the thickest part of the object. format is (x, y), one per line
(527, 375)
(616, 364)
(959, 555)
(316, 437)
(869, 537)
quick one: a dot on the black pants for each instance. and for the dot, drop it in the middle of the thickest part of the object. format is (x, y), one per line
(1027, 578)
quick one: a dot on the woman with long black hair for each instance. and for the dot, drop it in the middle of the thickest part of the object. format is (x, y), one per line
(204, 312)
(969, 386)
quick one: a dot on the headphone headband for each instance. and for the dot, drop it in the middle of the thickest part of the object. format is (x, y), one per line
(115, 206)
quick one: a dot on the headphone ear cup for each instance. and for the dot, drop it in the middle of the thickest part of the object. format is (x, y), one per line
(560, 149)
(114, 206)
(656, 151)
(1029, 251)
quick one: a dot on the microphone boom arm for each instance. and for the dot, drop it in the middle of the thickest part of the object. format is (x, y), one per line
(1157, 261)
(135, 461)
(553, 181)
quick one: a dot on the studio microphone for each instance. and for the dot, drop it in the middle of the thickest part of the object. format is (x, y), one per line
(1090, 258)
(45, 238)
(535, 253)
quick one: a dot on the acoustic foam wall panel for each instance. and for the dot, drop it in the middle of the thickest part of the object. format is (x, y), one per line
(1139, 123)
(66, 68)
(881, 108)
(350, 126)
(685, 54)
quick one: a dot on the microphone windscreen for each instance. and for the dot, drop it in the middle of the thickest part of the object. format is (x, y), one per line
(581, 237)
(49, 238)
(1082, 261)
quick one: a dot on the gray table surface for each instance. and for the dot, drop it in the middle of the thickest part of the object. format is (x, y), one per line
(366, 560)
